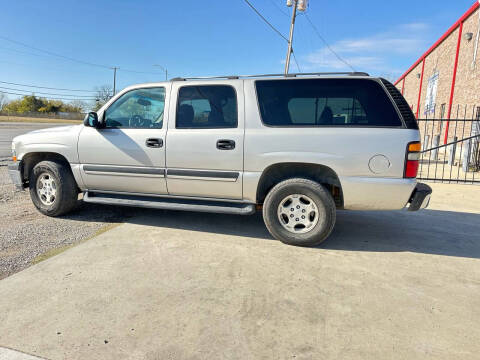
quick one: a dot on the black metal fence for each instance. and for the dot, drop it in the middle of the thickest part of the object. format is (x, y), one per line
(451, 147)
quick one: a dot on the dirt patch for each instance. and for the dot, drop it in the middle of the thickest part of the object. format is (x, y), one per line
(27, 236)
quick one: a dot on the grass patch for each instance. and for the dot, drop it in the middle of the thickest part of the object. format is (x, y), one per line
(38, 120)
(61, 249)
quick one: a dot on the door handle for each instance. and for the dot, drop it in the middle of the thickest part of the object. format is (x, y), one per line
(154, 142)
(225, 144)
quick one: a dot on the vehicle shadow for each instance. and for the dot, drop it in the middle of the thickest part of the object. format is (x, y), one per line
(437, 232)
(122, 141)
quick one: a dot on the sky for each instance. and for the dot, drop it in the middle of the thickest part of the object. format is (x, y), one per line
(202, 38)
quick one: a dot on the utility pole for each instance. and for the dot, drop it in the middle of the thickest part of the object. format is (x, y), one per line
(163, 69)
(290, 38)
(115, 79)
(300, 5)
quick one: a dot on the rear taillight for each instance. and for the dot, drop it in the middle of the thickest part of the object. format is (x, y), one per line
(413, 156)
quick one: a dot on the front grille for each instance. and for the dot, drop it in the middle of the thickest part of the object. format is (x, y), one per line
(402, 105)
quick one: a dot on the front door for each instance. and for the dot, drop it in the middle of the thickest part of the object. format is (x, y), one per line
(205, 140)
(128, 154)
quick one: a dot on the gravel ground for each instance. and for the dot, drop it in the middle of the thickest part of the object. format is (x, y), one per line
(26, 234)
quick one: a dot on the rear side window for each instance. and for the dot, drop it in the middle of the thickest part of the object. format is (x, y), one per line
(325, 102)
(206, 107)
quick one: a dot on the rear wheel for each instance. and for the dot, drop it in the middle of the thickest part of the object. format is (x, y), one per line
(299, 212)
(52, 188)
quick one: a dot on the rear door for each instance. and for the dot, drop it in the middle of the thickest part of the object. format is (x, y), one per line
(128, 154)
(204, 150)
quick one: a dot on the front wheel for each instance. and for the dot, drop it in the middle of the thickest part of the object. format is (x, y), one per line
(52, 188)
(299, 212)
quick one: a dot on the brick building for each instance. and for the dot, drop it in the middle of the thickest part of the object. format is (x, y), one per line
(445, 81)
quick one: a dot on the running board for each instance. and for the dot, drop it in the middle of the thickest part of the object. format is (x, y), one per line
(153, 202)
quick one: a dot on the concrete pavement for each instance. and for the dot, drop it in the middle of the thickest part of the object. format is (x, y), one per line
(173, 285)
(9, 354)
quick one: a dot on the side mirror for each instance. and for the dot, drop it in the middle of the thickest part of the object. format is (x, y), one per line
(91, 120)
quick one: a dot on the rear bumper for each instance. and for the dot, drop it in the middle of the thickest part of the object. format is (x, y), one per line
(420, 197)
(376, 193)
(14, 170)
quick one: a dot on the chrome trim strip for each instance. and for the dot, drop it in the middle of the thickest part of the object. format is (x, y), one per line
(213, 175)
(123, 170)
(204, 175)
(124, 174)
(200, 178)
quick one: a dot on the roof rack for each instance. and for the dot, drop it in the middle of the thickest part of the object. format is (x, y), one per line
(231, 77)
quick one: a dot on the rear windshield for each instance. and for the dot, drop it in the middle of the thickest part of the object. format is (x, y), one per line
(325, 102)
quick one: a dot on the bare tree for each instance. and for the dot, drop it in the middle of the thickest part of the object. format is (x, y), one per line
(3, 100)
(104, 93)
(80, 105)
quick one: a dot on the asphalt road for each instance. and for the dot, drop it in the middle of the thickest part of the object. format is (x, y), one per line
(8, 130)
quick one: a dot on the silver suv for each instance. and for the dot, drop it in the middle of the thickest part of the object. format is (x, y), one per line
(296, 147)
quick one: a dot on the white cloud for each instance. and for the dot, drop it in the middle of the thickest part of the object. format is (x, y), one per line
(414, 26)
(370, 53)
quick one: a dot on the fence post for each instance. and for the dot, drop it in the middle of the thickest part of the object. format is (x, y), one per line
(426, 141)
(475, 143)
(466, 155)
(452, 149)
(436, 142)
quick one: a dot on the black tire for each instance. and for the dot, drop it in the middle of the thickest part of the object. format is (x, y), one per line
(325, 205)
(66, 192)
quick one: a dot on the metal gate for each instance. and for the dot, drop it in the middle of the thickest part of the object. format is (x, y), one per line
(450, 149)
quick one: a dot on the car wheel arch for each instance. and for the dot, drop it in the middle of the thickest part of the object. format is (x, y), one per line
(29, 160)
(278, 172)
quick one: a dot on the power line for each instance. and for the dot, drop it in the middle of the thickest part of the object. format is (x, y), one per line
(140, 72)
(53, 54)
(265, 20)
(23, 52)
(39, 92)
(326, 43)
(273, 27)
(296, 62)
(66, 57)
(279, 8)
(44, 87)
(56, 98)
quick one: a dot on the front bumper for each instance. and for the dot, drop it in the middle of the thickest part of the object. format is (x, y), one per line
(14, 170)
(420, 197)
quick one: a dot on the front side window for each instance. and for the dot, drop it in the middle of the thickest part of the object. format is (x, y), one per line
(140, 108)
(325, 102)
(206, 107)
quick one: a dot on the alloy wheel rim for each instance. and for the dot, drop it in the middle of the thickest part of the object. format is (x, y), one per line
(46, 189)
(297, 213)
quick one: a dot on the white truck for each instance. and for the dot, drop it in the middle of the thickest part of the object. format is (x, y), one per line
(297, 147)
